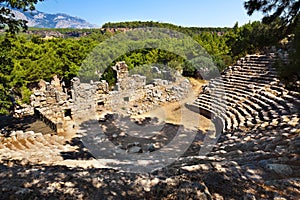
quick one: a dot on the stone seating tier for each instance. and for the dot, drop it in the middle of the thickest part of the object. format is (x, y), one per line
(247, 94)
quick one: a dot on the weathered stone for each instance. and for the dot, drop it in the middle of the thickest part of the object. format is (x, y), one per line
(135, 149)
(151, 147)
(280, 169)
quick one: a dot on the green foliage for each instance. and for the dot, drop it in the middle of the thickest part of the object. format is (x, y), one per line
(289, 70)
(285, 18)
(26, 59)
(110, 76)
(7, 18)
(251, 38)
(186, 30)
(5, 102)
(286, 10)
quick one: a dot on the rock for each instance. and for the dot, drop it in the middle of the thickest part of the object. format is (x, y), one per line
(281, 169)
(270, 147)
(279, 198)
(151, 147)
(155, 70)
(235, 153)
(118, 150)
(30, 133)
(249, 197)
(23, 191)
(19, 133)
(135, 149)
(264, 163)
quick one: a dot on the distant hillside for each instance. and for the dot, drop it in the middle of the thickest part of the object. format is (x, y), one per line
(139, 24)
(45, 20)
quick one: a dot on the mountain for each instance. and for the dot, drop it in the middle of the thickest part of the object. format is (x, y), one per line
(44, 20)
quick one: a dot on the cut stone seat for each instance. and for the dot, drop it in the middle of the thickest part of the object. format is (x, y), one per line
(34, 142)
(217, 107)
(260, 77)
(239, 93)
(261, 104)
(234, 91)
(258, 61)
(41, 139)
(228, 100)
(11, 147)
(269, 108)
(18, 145)
(272, 104)
(223, 123)
(257, 69)
(251, 109)
(25, 143)
(229, 97)
(292, 99)
(294, 94)
(230, 86)
(257, 57)
(276, 89)
(238, 116)
(31, 144)
(234, 121)
(245, 81)
(254, 58)
(221, 106)
(248, 76)
(197, 107)
(227, 121)
(256, 108)
(59, 139)
(51, 140)
(259, 80)
(209, 105)
(275, 98)
(244, 112)
(256, 73)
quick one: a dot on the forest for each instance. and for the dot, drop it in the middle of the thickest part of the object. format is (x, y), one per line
(28, 58)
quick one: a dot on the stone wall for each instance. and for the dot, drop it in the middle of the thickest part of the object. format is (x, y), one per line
(64, 108)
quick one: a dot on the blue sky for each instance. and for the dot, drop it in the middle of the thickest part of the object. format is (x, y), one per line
(201, 13)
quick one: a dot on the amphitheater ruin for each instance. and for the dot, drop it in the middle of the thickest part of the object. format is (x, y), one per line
(255, 156)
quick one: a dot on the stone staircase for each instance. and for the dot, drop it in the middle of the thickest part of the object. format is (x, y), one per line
(256, 156)
(259, 124)
(246, 95)
(34, 147)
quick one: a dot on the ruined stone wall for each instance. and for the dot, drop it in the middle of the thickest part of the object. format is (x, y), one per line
(64, 108)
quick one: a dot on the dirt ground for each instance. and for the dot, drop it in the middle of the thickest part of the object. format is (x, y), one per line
(177, 113)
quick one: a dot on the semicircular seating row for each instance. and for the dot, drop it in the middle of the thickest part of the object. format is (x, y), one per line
(246, 95)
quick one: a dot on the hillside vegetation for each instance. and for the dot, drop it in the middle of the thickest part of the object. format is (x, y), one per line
(28, 58)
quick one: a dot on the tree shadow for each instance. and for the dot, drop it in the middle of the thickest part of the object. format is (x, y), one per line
(27, 123)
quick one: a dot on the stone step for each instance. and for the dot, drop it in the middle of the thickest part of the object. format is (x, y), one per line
(243, 82)
(236, 118)
(257, 72)
(249, 80)
(260, 78)
(230, 87)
